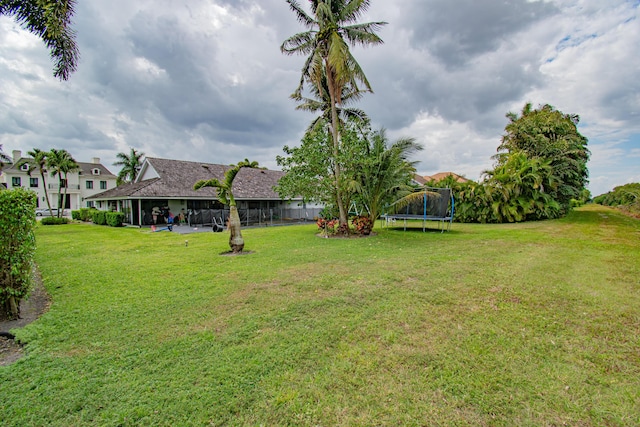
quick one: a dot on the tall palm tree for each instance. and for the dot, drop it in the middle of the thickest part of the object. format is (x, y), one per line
(321, 103)
(331, 28)
(4, 159)
(225, 195)
(51, 21)
(40, 164)
(130, 165)
(60, 163)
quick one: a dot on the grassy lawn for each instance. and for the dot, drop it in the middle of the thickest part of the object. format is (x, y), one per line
(526, 324)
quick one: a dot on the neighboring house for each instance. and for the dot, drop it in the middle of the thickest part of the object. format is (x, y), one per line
(167, 186)
(443, 175)
(90, 179)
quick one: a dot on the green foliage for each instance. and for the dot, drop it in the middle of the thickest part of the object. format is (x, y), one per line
(548, 134)
(309, 169)
(130, 163)
(114, 219)
(51, 21)
(374, 172)
(330, 69)
(52, 220)
(540, 169)
(99, 217)
(382, 172)
(83, 214)
(17, 246)
(625, 197)
(491, 325)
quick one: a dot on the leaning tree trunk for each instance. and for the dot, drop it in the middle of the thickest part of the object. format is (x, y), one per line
(236, 242)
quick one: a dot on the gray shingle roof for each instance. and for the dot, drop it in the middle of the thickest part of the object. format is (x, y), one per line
(177, 177)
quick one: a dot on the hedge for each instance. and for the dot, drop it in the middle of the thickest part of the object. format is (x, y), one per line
(99, 217)
(83, 214)
(115, 219)
(54, 220)
(17, 247)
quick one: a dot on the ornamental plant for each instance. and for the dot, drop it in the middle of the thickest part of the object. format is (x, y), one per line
(328, 226)
(17, 247)
(362, 225)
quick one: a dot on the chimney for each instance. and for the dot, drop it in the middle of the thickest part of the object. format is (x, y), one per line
(95, 160)
(17, 154)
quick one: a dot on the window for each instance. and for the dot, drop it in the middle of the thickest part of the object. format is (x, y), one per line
(103, 185)
(15, 181)
(95, 171)
(89, 185)
(90, 204)
(63, 183)
(24, 167)
(33, 182)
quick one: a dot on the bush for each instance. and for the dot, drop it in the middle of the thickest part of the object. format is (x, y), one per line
(17, 246)
(115, 219)
(362, 225)
(53, 220)
(83, 214)
(99, 217)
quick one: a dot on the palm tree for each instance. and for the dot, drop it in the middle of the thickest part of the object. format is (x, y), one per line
(51, 21)
(4, 159)
(331, 29)
(549, 134)
(130, 165)
(61, 163)
(385, 172)
(321, 102)
(39, 164)
(225, 195)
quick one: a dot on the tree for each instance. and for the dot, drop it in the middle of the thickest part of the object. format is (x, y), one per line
(385, 172)
(225, 195)
(4, 159)
(375, 173)
(51, 21)
(60, 163)
(521, 189)
(548, 134)
(309, 169)
(331, 29)
(40, 164)
(130, 166)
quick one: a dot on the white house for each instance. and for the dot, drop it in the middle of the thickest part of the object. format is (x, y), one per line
(167, 185)
(92, 178)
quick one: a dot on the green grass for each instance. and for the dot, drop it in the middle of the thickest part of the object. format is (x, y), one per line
(518, 324)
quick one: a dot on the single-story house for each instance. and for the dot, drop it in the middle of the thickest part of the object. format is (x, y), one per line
(164, 188)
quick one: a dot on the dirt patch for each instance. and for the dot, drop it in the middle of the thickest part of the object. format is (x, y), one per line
(30, 309)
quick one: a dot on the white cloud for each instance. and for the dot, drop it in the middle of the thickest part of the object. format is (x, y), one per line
(207, 81)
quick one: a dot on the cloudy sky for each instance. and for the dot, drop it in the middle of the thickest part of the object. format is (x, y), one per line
(206, 80)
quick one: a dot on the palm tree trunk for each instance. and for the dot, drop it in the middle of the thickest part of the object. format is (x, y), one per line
(336, 144)
(236, 242)
(64, 199)
(46, 193)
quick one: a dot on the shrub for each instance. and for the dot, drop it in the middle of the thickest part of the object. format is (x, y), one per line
(17, 246)
(362, 225)
(115, 219)
(53, 220)
(82, 214)
(328, 226)
(99, 217)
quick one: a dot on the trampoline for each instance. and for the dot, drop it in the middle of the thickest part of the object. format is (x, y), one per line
(427, 204)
